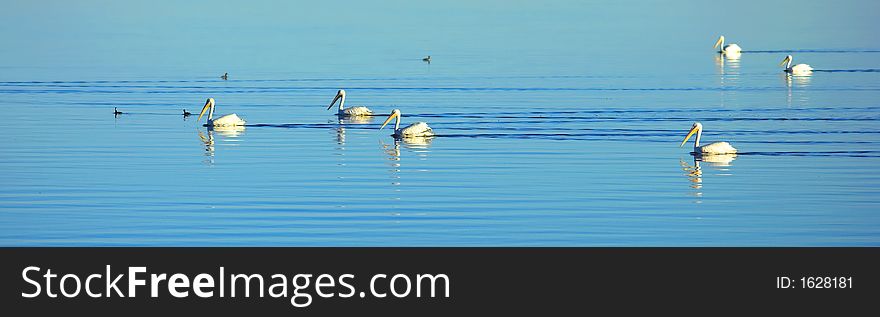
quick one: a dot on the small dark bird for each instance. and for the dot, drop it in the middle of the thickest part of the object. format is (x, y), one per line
(116, 112)
(225, 76)
(427, 59)
(186, 113)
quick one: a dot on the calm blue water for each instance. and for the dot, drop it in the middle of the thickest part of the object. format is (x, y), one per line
(558, 124)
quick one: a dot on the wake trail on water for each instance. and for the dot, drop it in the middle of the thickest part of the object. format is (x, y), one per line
(868, 70)
(816, 51)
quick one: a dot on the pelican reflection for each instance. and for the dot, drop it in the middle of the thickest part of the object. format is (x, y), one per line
(208, 141)
(417, 146)
(229, 134)
(717, 160)
(728, 68)
(798, 81)
(719, 163)
(694, 174)
(417, 142)
(352, 120)
(393, 161)
(228, 131)
(792, 81)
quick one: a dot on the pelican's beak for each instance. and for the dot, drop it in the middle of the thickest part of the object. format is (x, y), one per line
(394, 114)
(205, 108)
(338, 95)
(693, 130)
(784, 61)
(718, 43)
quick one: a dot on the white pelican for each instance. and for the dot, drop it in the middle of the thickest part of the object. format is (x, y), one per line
(799, 69)
(708, 149)
(727, 49)
(229, 120)
(418, 129)
(348, 112)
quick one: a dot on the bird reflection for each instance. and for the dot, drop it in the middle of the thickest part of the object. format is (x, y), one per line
(716, 160)
(340, 136)
(417, 142)
(719, 162)
(209, 146)
(393, 152)
(728, 68)
(229, 134)
(798, 81)
(792, 81)
(343, 121)
(694, 174)
(418, 146)
(356, 120)
(728, 71)
(228, 131)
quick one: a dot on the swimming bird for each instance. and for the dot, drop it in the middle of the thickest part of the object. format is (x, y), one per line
(116, 112)
(799, 69)
(186, 113)
(418, 129)
(225, 76)
(228, 120)
(427, 59)
(348, 112)
(708, 149)
(727, 49)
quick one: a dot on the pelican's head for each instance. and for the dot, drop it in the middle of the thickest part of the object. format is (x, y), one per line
(719, 42)
(697, 127)
(339, 95)
(786, 60)
(394, 114)
(208, 104)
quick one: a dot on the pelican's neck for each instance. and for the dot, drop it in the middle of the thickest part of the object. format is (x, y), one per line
(342, 103)
(397, 124)
(721, 47)
(697, 140)
(788, 64)
(211, 113)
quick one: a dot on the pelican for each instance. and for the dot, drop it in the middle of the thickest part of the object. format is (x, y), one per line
(225, 76)
(727, 49)
(418, 129)
(708, 149)
(186, 113)
(799, 69)
(348, 112)
(116, 112)
(229, 120)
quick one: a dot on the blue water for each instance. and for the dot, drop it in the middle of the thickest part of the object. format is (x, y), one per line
(558, 124)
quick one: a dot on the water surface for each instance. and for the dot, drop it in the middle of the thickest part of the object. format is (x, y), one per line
(558, 124)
